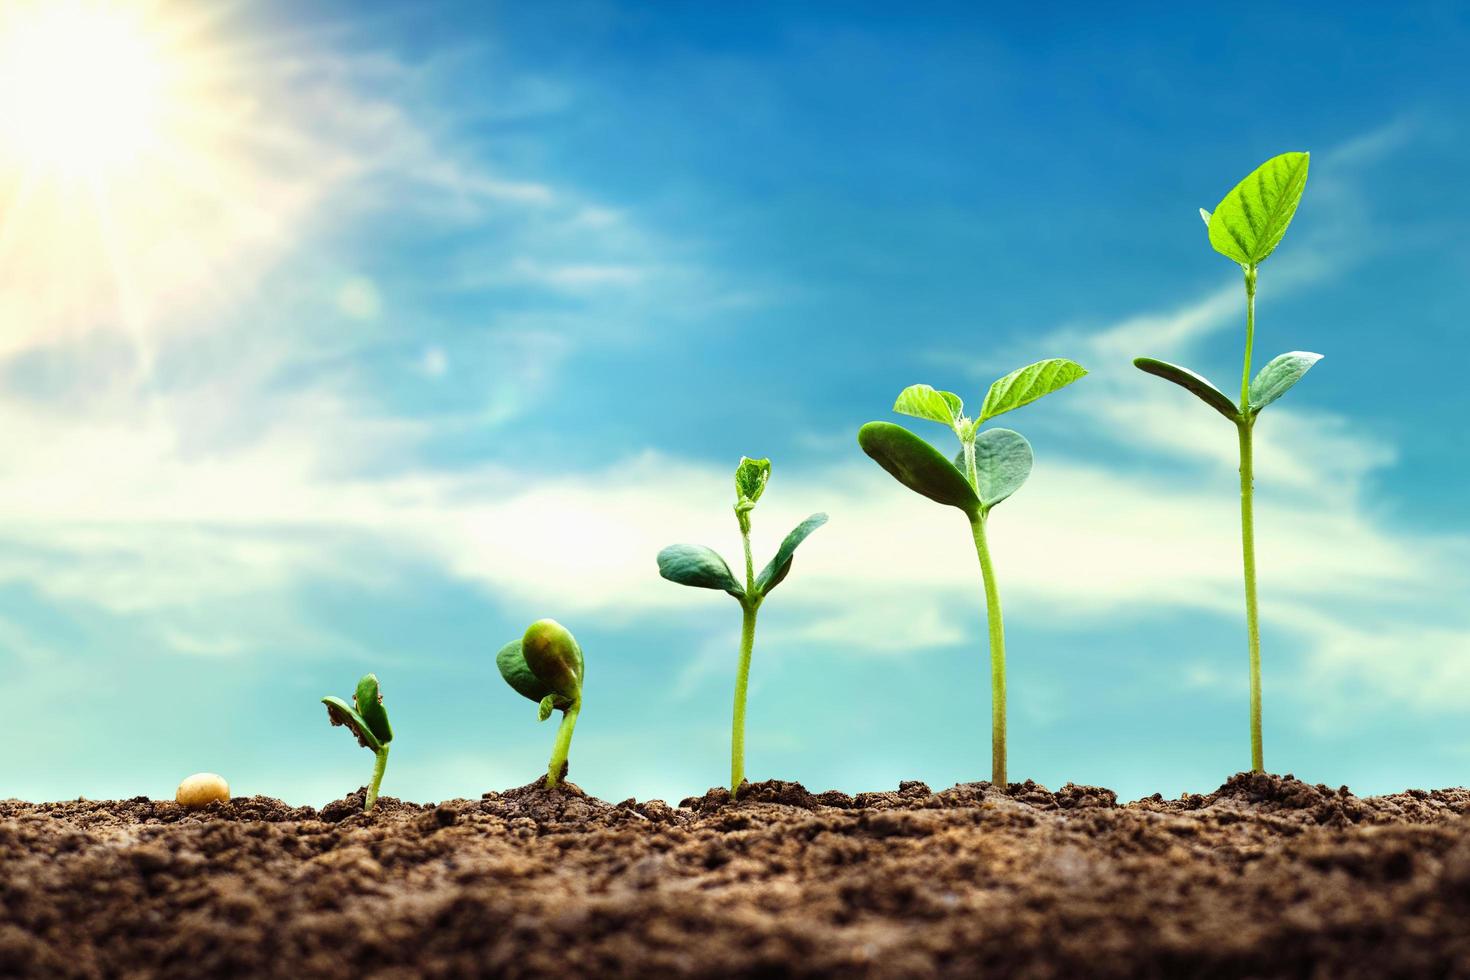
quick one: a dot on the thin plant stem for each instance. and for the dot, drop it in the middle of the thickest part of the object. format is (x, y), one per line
(742, 683)
(563, 744)
(1245, 426)
(997, 657)
(380, 763)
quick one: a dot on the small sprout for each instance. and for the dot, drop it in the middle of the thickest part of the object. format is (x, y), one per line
(700, 567)
(1246, 227)
(367, 719)
(202, 789)
(991, 465)
(545, 665)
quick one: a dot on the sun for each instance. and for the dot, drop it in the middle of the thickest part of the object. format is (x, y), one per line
(84, 87)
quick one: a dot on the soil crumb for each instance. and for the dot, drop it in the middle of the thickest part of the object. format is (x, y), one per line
(1265, 877)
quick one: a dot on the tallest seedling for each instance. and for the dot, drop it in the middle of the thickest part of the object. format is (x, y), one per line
(1246, 227)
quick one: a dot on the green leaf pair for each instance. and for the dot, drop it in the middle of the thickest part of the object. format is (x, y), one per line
(367, 719)
(1270, 383)
(546, 666)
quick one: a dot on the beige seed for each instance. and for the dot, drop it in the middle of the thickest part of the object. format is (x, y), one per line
(202, 789)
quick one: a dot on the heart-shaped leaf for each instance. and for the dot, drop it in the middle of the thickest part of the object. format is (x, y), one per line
(751, 477)
(1251, 220)
(1188, 380)
(1024, 385)
(918, 465)
(924, 402)
(1277, 377)
(340, 713)
(1002, 463)
(696, 565)
(518, 674)
(779, 567)
(369, 701)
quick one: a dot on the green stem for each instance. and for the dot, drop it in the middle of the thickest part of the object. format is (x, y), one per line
(1244, 426)
(380, 763)
(563, 744)
(742, 684)
(997, 657)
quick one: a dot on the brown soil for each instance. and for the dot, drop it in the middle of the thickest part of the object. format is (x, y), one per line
(1266, 877)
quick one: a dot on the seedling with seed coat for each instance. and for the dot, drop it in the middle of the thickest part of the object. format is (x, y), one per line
(545, 665)
(1246, 227)
(367, 719)
(703, 568)
(991, 465)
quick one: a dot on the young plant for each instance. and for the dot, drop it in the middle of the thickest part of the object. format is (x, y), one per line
(701, 567)
(991, 465)
(368, 720)
(1246, 227)
(545, 665)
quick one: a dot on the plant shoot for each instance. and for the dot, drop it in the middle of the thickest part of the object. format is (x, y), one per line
(367, 719)
(545, 665)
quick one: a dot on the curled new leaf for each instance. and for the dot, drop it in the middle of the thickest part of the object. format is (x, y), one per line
(1188, 380)
(696, 565)
(1277, 377)
(918, 465)
(751, 477)
(1002, 463)
(369, 701)
(339, 713)
(1025, 385)
(924, 402)
(1251, 220)
(780, 566)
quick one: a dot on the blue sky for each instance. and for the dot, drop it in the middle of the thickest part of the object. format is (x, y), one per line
(421, 321)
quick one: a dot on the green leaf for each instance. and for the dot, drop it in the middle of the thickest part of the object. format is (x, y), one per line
(1277, 377)
(518, 674)
(1188, 380)
(1205, 215)
(780, 566)
(1002, 463)
(751, 477)
(696, 565)
(918, 465)
(1249, 223)
(1024, 386)
(369, 701)
(547, 706)
(553, 655)
(924, 402)
(339, 713)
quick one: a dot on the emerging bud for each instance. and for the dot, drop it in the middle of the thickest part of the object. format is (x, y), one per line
(554, 657)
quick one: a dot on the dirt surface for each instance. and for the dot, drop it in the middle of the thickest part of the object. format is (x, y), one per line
(1266, 877)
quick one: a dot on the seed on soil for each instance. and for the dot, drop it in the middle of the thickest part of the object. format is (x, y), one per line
(202, 789)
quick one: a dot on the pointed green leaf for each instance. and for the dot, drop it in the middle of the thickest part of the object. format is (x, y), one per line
(369, 701)
(1277, 377)
(751, 477)
(339, 713)
(1251, 220)
(547, 706)
(553, 655)
(918, 465)
(696, 565)
(780, 566)
(924, 402)
(1002, 463)
(1188, 380)
(518, 674)
(1023, 386)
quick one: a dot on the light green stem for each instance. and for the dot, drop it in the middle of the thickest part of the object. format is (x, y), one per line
(1245, 426)
(997, 657)
(563, 744)
(380, 763)
(742, 684)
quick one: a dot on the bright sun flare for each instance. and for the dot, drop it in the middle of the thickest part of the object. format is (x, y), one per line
(83, 86)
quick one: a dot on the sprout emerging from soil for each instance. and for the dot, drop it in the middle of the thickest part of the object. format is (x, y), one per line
(545, 665)
(991, 465)
(1246, 227)
(368, 720)
(701, 567)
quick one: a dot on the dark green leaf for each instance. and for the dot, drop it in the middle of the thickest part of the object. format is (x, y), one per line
(1002, 463)
(1277, 377)
(780, 566)
(1024, 385)
(750, 478)
(518, 674)
(918, 465)
(924, 402)
(369, 701)
(696, 565)
(553, 655)
(1249, 223)
(1188, 380)
(339, 713)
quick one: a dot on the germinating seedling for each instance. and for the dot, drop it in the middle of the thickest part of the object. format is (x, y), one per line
(368, 720)
(991, 465)
(545, 665)
(701, 567)
(1246, 227)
